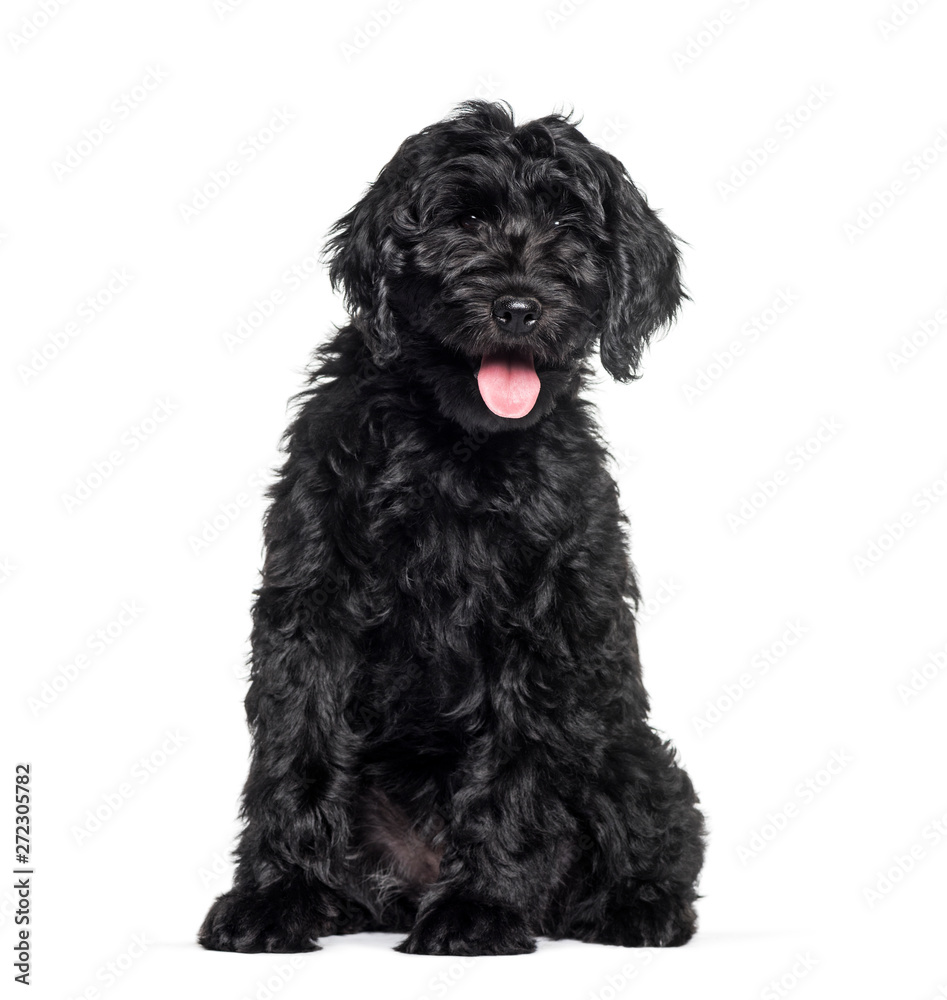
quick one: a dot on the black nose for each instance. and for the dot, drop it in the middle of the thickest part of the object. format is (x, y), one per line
(516, 314)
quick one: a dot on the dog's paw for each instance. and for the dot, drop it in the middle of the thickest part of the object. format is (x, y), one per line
(467, 927)
(663, 923)
(252, 922)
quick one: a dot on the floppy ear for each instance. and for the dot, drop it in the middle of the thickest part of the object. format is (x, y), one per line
(363, 255)
(643, 267)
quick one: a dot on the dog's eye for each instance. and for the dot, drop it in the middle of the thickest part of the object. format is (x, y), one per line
(469, 222)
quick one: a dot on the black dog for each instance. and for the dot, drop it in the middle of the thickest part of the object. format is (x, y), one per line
(449, 723)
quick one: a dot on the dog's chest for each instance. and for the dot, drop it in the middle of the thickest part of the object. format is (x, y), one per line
(462, 529)
(463, 540)
(471, 568)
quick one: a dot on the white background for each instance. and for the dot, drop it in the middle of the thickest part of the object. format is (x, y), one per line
(702, 101)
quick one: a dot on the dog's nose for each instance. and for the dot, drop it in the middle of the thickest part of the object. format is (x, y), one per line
(516, 313)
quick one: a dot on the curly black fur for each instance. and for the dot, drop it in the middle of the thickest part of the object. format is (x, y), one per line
(449, 723)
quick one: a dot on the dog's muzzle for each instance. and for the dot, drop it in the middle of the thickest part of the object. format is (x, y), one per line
(507, 376)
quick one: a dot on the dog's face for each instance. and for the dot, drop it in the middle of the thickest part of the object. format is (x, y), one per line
(488, 260)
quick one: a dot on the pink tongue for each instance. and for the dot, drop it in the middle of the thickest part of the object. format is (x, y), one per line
(508, 383)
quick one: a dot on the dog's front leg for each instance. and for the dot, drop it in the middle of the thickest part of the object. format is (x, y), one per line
(297, 798)
(502, 858)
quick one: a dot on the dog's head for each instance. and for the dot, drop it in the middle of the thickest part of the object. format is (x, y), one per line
(488, 259)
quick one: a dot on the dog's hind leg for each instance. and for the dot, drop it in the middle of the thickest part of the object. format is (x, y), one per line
(636, 863)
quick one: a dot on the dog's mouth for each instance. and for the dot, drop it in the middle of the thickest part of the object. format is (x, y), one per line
(508, 382)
